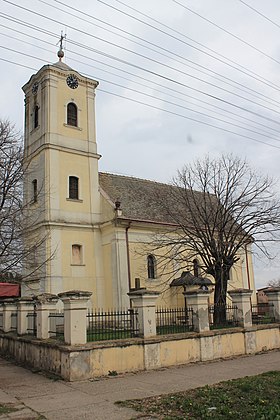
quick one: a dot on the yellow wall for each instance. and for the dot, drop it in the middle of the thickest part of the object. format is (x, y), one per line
(98, 359)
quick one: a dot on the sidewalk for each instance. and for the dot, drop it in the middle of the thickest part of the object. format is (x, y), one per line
(34, 394)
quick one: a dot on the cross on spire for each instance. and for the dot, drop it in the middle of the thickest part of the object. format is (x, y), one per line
(60, 52)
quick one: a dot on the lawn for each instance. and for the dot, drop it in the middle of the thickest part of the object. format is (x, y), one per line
(256, 397)
(6, 409)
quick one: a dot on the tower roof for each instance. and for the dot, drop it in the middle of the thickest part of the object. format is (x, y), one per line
(62, 66)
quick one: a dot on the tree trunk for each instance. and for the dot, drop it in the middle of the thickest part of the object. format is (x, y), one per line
(221, 281)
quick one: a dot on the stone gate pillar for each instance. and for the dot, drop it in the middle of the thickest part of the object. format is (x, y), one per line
(242, 299)
(75, 316)
(273, 295)
(145, 303)
(198, 301)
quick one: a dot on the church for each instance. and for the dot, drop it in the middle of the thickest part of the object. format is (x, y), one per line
(97, 226)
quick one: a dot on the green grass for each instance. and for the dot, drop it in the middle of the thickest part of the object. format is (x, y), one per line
(108, 335)
(172, 329)
(249, 398)
(6, 409)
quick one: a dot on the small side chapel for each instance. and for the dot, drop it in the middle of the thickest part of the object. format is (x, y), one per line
(94, 224)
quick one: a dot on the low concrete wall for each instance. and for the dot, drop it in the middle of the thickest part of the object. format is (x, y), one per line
(97, 359)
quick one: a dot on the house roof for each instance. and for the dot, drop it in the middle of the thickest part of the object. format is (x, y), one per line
(150, 201)
(188, 279)
(138, 197)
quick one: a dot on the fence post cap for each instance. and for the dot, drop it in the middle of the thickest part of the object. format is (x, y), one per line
(74, 294)
(197, 292)
(25, 299)
(143, 292)
(10, 300)
(45, 297)
(272, 290)
(240, 292)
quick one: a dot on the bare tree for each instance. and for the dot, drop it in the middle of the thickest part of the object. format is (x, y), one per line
(218, 207)
(16, 221)
(274, 283)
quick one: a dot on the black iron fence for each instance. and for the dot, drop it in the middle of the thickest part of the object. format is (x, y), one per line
(14, 321)
(32, 323)
(262, 313)
(1, 320)
(174, 320)
(112, 325)
(222, 316)
(56, 325)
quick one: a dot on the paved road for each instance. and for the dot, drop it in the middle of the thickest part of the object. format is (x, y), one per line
(35, 395)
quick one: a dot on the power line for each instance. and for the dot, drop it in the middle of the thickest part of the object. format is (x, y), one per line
(189, 109)
(33, 57)
(18, 64)
(204, 71)
(146, 80)
(140, 55)
(154, 97)
(176, 114)
(259, 13)
(182, 84)
(245, 71)
(192, 119)
(157, 74)
(125, 87)
(227, 32)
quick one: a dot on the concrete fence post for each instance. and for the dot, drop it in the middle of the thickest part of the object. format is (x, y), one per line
(145, 303)
(24, 306)
(9, 308)
(198, 301)
(273, 295)
(242, 299)
(45, 304)
(75, 316)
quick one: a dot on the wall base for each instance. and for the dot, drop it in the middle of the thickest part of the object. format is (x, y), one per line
(75, 363)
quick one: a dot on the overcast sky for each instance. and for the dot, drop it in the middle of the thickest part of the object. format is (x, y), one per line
(178, 78)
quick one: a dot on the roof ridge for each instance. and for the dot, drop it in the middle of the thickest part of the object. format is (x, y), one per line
(134, 178)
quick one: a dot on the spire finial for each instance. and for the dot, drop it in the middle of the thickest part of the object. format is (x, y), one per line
(60, 52)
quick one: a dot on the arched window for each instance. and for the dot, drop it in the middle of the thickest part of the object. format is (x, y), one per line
(151, 265)
(36, 116)
(73, 187)
(77, 254)
(72, 114)
(35, 190)
(196, 269)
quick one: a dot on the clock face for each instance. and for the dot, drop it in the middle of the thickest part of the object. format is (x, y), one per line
(72, 81)
(35, 88)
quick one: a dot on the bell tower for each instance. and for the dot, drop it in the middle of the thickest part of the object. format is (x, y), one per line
(61, 182)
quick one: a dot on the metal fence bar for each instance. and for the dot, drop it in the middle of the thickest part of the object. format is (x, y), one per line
(174, 320)
(14, 321)
(222, 316)
(262, 313)
(32, 323)
(56, 325)
(112, 325)
(1, 320)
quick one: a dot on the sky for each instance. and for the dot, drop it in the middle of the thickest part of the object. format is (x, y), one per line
(178, 79)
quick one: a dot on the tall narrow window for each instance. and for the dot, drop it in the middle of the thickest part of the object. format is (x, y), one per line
(35, 190)
(36, 116)
(73, 187)
(196, 270)
(72, 114)
(76, 254)
(151, 265)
